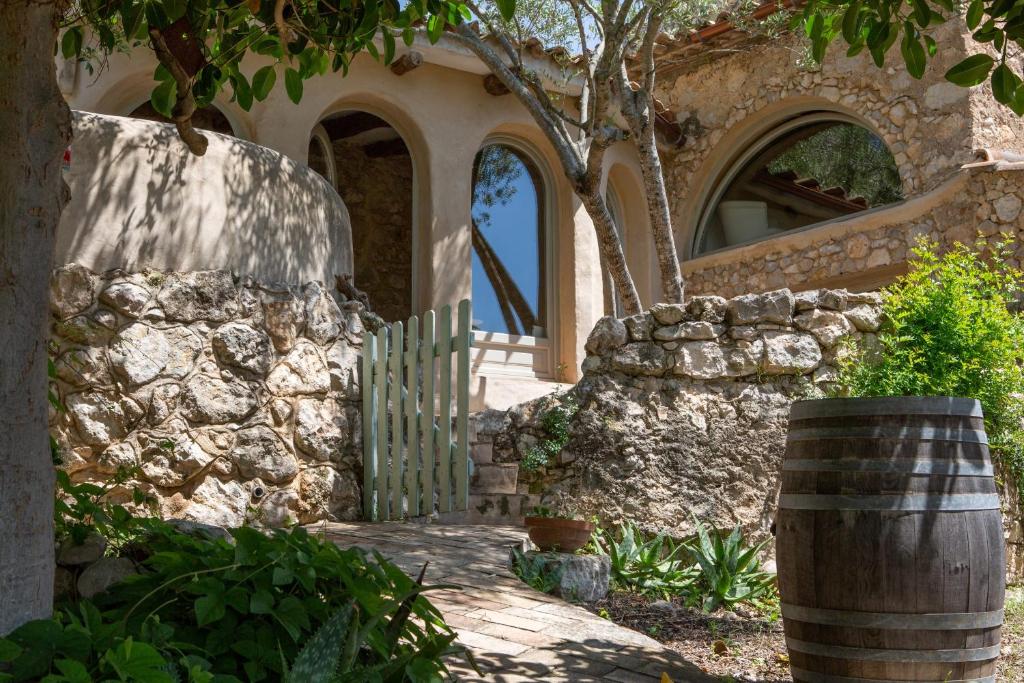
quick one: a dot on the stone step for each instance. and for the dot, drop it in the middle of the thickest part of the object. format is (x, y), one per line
(494, 478)
(493, 508)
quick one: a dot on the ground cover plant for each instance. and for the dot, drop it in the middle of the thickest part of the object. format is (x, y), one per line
(951, 328)
(280, 605)
(710, 570)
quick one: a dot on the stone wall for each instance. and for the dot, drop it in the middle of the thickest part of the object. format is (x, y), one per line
(684, 409)
(378, 193)
(932, 127)
(238, 401)
(983, 201)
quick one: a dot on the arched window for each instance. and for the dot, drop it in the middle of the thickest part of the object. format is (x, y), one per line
(812, 169)
(509, 237)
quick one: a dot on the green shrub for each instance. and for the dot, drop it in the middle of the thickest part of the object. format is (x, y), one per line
(555, 423)
(729, 572)
(950, 330)
(645, 564)
(208, 610)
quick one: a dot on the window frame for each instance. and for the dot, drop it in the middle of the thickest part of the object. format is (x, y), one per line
(739, 163)
(543, 348)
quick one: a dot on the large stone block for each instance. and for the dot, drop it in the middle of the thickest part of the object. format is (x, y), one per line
(138, 353)
(701, 360)
(641, 358)
(102, 418)
(242, 346)
(212, 400)
(321, 429)
(72, 290)
(608, 334)
(199, 295)
(790, 353)
(302, 371)
(582, 578)
(770, 307)
(260, 452)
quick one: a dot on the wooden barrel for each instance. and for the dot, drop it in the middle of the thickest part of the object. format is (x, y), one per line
(890, 542)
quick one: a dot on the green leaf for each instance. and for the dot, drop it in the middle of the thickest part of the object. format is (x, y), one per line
(931, 46)
(263, 82)
(507, 8)
(8, 650)
(435, 27)
(851, 23)
(209, 608)
(242, 91)
(164, 97)
(292, 615)
(389, 46)
(74, 672)
(138, 662)
(922, 13)
(71, 43)
(914, 55)
(293, 84)
(1004, 84)
(261, 602)
(971, 71)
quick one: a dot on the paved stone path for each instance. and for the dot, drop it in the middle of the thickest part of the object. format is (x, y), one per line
(514, 632)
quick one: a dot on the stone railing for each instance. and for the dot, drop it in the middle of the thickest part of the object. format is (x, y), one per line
(237, 401)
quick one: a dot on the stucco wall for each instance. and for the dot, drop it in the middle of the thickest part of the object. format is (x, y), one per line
(140, 200)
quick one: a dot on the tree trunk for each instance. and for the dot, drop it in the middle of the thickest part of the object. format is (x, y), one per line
(35, 127)
(660, 215)
(611, 248)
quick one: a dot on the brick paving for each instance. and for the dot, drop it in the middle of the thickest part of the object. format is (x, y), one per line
(514, 632)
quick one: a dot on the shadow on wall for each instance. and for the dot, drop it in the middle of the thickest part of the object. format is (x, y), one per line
(140, 200)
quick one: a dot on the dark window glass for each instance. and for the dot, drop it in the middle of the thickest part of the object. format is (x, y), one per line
(805, 175)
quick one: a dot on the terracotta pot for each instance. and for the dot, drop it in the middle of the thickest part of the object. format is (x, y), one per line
(556, 534)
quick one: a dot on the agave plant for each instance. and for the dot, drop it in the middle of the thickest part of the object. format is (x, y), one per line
(645, 564)
(729, 572)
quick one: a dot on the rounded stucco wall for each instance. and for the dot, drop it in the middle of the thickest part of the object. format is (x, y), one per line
(140, 200)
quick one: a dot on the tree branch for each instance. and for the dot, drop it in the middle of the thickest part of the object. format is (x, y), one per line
(556, 133)
(185, 103)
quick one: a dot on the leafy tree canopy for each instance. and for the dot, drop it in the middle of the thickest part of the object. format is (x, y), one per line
(200, 44)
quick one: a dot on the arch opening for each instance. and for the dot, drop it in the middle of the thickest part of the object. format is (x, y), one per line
(510, 254)
(367, 161)
(811, 169)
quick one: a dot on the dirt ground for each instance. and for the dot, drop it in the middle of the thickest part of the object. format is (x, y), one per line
(748, 647)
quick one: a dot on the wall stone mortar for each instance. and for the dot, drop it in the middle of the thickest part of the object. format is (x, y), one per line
(236, 400)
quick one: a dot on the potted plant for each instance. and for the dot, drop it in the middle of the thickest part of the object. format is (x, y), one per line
(888, 485)
(558, 529)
